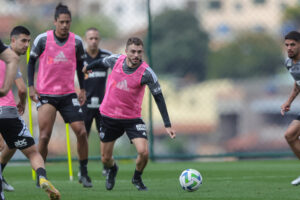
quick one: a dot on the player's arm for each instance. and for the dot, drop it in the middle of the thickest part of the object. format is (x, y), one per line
(150, 79)
(287, 105)
(22, 94)
(80, 56)
(108, 62)
(11, 60)
(37, 49)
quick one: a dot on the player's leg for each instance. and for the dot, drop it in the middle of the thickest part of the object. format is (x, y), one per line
(110, 131)
(292, 137)
(88, 116)
(136, 131)
(141, 145)
(46, 119)
(109, 163)
(98, 120)
(82, 150)
(5, 156)
(38, 165)
(71, 112)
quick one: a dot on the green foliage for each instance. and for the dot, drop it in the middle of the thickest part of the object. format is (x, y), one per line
(180, 46)
(106, 27)
(292, 14)
(249, 55)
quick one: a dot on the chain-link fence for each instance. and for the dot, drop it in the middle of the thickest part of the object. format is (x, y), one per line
(220, 64)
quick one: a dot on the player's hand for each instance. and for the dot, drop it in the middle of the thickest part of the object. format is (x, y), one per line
(34, 95)
(171, 132)
(84, 69)
(285, 108)
(3, 92)
(81, 97)
(85, 72)
(21, 108)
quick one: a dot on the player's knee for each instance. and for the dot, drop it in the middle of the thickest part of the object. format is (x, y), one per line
(44, 139)
(106, 158)
(290, 136)
(82, 134)
(144, 154)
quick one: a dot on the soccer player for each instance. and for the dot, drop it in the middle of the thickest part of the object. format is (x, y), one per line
(292, 134)
(12, 126)
(11, 61)
(121, 108)
(60, 53)
(94, 83)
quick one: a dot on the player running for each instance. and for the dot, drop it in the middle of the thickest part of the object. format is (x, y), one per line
(292, 44)
(60, 53)
(121, 108)
(12, 126)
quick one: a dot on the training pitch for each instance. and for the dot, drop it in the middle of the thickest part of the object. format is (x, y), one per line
(248, 180)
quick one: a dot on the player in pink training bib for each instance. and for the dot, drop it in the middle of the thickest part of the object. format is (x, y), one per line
(13, 128)
(60, 53)
(121, 108)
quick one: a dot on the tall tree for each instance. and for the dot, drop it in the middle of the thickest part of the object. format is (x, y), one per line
(249, 55)
(180, 46)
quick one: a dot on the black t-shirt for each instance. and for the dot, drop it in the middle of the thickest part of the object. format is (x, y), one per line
(2, 47)
(94, 84)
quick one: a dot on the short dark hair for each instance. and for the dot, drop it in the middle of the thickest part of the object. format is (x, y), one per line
(17, 30)
(293, 35)
(61, 9)
(92, 29)
(134, 40)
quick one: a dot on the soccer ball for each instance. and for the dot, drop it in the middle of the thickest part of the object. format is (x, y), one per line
(190, 180)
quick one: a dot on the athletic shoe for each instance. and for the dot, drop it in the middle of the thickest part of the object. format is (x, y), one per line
(296, 181)
(53, 193)
(111, 177)
(138, 183)
(85, 180)
(6, 186)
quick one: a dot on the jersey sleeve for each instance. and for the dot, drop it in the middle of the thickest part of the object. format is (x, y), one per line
(108, 62)
(38, 46)
(80, 53)
(150, 79)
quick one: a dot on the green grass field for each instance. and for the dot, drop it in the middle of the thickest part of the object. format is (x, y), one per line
(249, 180)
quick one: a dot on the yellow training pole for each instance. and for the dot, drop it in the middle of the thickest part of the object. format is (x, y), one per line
(69, 152)
(29, 110)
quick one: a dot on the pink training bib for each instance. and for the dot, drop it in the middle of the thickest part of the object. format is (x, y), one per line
(124, 92)
(9, 99)
(57, 67)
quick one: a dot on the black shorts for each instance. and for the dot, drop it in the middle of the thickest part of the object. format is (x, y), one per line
(112, 129)
(89, 114)
(16, 133)
(67, 105)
